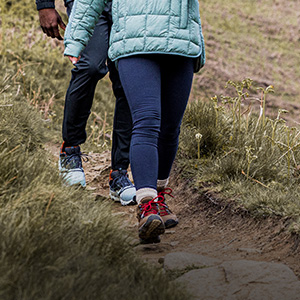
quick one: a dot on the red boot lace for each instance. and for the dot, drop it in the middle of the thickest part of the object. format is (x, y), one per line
(163, 207)
(151, 207)
(166, 191)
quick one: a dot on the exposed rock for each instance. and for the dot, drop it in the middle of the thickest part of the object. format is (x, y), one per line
(243, 280)
(249, 250)
(174, 243)
(183, 260)
(170, 232)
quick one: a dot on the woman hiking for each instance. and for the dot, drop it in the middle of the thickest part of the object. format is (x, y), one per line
(157, 45)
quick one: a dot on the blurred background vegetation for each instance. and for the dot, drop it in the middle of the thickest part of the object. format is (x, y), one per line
(239, 145)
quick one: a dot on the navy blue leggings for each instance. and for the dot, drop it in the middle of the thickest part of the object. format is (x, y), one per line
(157, 88)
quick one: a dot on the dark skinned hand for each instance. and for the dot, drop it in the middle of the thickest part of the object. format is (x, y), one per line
(50, 20)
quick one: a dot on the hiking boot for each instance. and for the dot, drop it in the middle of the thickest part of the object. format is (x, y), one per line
(169, 218)
(121, 188)
(70, 165)
(151, 224)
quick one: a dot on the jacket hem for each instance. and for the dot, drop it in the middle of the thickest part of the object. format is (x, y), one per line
(155, 52)
(42, 5)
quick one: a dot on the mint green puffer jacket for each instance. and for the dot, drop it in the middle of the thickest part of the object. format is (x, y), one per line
(140, 27)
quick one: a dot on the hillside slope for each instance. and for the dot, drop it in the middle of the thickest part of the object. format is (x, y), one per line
(252, 39)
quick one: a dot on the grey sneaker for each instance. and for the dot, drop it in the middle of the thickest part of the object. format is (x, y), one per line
(121, 189)
(70, 166)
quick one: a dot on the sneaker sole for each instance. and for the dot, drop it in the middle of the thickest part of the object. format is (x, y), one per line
(116, 198)
(153, 227)
(126, 203)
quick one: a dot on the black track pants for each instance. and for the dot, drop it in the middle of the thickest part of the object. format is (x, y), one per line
(92, 66)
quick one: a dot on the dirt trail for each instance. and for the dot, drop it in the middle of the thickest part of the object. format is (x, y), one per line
(206, 227)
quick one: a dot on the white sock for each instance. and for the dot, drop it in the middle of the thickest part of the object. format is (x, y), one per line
(145, 193)
(162, 183)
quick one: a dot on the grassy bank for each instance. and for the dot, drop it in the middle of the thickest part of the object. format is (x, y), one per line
(253, 163)
(248, 158)
(252, 39)
(56, 242)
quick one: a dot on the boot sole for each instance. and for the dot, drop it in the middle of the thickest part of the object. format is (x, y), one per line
(171, 224)
(153, 227)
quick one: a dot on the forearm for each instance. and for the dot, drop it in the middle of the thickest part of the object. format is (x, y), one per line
(41, 4)
(85, 14)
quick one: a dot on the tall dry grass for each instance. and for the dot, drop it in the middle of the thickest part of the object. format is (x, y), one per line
(55, 242)
(249, 157)
(58, 242)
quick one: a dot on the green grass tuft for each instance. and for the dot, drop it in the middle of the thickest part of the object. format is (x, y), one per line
(250, 158)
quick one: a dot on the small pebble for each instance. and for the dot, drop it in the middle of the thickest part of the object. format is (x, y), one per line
(175, 243)
(170, 231)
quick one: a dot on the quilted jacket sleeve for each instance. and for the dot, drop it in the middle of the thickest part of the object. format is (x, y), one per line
(84, 16)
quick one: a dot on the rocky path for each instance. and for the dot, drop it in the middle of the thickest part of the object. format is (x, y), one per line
(216, 252)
